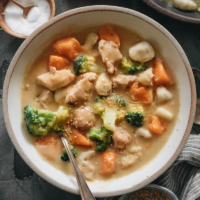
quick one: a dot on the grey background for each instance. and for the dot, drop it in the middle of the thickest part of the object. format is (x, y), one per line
(17, 180)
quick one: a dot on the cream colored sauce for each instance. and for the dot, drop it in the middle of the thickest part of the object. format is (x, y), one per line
(150, 147)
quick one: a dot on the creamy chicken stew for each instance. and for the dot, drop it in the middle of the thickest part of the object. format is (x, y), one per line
(187, 5)
(109, 92)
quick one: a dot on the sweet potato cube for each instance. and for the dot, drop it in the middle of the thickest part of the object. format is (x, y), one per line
(160, 74)
(78, 138)
(108, 33)
(156, 126)
(58, 62)
(68, 46)
(141, 93)
(108, 163)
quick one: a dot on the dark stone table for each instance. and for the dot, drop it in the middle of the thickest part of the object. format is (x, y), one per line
(17, 180)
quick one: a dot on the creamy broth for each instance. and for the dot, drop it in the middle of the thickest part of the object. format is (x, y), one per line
(149, 147)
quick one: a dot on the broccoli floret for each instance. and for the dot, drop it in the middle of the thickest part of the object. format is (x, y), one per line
(40, 122)
(102, 136)
(65, 156)
(135, 115)
(63, 113)
(129, 67)
(111, 109)
(83, 64)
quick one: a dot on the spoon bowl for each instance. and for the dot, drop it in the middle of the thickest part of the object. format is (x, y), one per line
(5, 27)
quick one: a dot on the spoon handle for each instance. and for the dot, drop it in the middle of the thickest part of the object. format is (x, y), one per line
(83, 187)
(18, 4)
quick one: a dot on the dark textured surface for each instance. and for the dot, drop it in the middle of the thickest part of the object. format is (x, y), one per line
(17, 180)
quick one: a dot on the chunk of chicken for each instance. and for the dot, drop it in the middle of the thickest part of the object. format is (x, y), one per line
(55, 79)
(163, 94)
(123, 81)
(90, 75)
(185, 4)
(121, 138)
(79, 92)
(142, 52)
(84, 118)
(90, 41)
(104, 85)
(143, 132)
(61, 94)
(110, 54)
(45, 98)
(86, 168)
(146, 77)
(129, 160)
(162, 112)
(87, 171)
(84, 157)
(135, 149)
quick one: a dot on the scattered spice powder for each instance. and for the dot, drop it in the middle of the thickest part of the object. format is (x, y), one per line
(147, 195)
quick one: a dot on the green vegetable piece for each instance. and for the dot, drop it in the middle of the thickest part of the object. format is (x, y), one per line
(102, 136)
(65, 156)
(135, 115)
(129, 67)
(112, 109)
(83, 64)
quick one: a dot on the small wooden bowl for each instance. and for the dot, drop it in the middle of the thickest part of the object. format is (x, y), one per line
(5, 27)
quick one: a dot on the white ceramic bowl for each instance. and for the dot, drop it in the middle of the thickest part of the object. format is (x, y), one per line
(76, 20)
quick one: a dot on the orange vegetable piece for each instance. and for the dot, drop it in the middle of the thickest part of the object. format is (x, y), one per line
(156, 126)
(78, 138)
(108, 33)
(141, 93)
(58, 62)
(160, 74)
(108, 163)
(68, 46)
(49, 147)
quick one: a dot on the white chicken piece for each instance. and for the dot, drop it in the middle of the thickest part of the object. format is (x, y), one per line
(142, 52)
(86, 168)
(84, 118)
(129, 160)
(163, 94)
(162, 112)
(185, 4)
(91, 40)
(61, 94)
(87, 171)
(146, 77)
(123, 81)
(104, 85)
(121, 138)
(55, 79)
(90, 75)
(45, 98)
(85, 156)
(135, 149)
(79, 92)
(143, 132)
(110, 54)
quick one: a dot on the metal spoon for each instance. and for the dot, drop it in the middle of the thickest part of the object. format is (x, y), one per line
(85, 192)
(25, 9)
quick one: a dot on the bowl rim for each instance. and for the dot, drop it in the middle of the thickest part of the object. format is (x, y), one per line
(85, 10)
(171, 14)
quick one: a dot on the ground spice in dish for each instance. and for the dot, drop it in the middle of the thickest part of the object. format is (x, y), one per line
(147, 195)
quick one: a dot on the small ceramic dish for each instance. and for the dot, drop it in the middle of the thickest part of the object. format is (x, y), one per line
(79, 20)
(168, 193)
(169, 10)
(5, 27)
